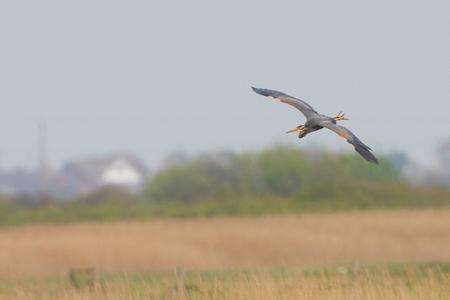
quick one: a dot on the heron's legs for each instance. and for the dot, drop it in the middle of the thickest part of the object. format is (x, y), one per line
(340, 117)
(300, 129)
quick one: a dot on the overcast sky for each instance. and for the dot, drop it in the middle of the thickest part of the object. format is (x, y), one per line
(155, 77)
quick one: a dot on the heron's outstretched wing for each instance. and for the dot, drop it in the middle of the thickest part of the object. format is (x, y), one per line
(360, 147)
(301, 105)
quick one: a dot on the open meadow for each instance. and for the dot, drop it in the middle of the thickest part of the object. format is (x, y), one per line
(314, 255)
(227, 150)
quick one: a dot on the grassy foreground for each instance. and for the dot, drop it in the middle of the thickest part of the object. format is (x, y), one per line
(344, 255)
(419, 281)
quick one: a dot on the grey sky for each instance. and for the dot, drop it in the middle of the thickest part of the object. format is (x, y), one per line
(160, 76)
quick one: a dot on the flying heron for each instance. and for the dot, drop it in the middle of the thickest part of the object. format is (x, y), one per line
(316, 121)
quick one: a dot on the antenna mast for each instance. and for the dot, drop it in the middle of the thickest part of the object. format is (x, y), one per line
(42, 146)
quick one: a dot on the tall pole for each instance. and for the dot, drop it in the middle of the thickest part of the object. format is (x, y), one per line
(42, 146)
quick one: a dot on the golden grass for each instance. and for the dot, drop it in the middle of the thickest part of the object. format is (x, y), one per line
(213, 244)
(249, 285)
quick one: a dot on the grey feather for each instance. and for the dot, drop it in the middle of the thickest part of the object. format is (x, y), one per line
(301, 105)
(360, 147)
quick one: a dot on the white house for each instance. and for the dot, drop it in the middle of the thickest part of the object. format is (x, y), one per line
(123, 170)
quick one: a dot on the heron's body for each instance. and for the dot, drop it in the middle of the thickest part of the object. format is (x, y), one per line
(316, 121)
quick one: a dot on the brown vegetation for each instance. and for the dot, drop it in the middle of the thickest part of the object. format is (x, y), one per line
(212, 244)
(366, 284)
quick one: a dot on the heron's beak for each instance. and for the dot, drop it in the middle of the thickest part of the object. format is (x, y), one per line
(296, 129)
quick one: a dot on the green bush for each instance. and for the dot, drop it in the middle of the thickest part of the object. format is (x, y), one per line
(277, 172)
(272, 181)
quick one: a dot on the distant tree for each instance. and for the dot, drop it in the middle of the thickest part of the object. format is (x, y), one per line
(441, 174)
(279, 171)
(399, 160)
(108, 194)
(443, 157)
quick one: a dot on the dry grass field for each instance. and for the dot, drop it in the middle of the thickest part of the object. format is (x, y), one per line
(382, 283)
(32, 254)
(204, 244)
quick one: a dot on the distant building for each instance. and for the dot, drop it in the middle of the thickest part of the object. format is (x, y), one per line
(78, 177)
(92, 173)
(121, 172)
(18, 181)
